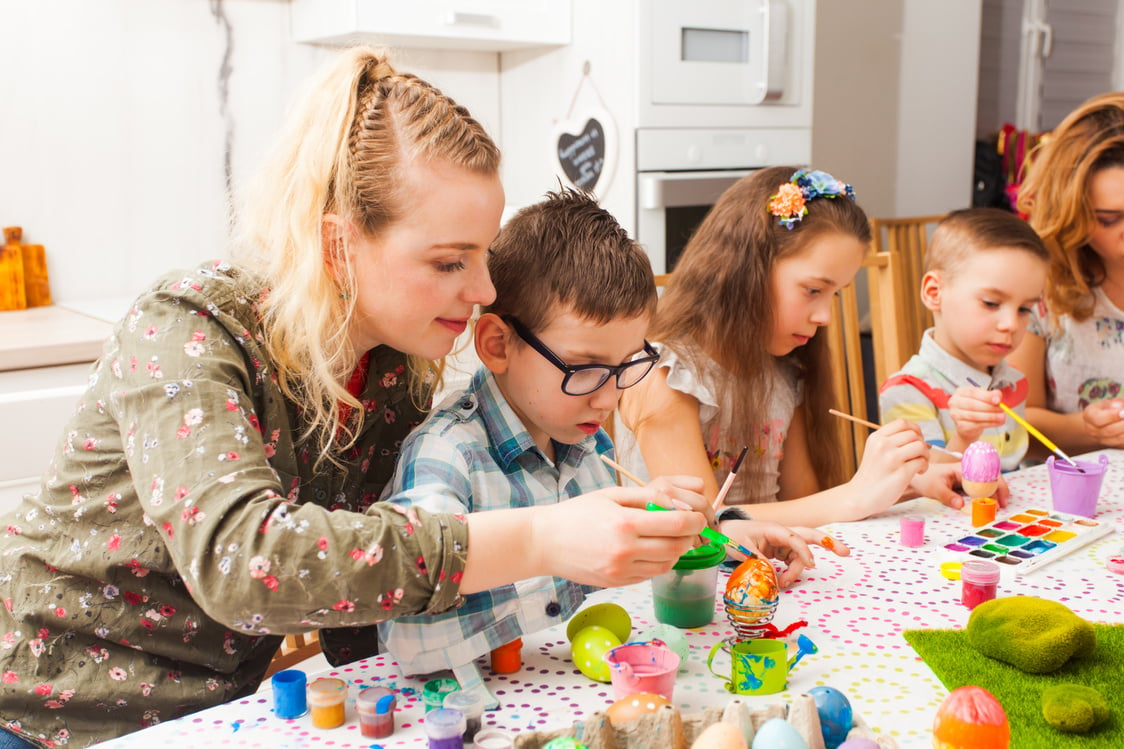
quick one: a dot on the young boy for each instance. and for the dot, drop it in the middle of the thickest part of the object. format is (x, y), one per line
(565, 334)
(985, 271)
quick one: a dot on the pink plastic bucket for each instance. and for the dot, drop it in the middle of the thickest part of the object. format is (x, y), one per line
(1073, 491)
(642, 667)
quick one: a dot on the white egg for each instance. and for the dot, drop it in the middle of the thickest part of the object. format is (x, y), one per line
(778, 733)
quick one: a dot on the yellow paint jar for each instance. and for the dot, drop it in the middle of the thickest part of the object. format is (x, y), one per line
(326, 700)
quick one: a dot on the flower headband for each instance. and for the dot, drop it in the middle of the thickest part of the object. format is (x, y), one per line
(790, 203)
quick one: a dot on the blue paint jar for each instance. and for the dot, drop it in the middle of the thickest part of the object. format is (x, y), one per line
(289, 697)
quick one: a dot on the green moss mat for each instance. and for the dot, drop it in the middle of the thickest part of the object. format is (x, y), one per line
(956, 664)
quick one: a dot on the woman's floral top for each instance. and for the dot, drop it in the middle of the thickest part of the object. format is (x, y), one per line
(179, 530)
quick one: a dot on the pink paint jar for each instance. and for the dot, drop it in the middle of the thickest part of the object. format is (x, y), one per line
(912, 530)
(979, 580)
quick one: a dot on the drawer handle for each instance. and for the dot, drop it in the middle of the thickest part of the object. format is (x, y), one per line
(457, 18)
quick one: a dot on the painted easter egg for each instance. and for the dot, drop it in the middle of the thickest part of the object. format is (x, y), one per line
(980, 462)
(564, 742)
(587, 651)
(611, 616)
(753, 583)
(720, 735)
(672, 637)
(635, 706)
(778, 733)
(836, 716)
(971, 718)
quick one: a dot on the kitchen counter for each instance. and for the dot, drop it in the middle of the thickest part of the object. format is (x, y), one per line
(53, 335)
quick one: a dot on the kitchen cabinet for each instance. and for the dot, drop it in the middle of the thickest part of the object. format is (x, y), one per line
(483, 25)
(45, 359)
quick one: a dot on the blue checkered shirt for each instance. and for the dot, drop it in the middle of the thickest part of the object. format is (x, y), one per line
(472, 454)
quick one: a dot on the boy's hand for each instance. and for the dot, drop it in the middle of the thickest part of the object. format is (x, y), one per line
(941, 481)
(606, 538)
(789, 545)
(893, 455)
(973, 410)
(1104, 422)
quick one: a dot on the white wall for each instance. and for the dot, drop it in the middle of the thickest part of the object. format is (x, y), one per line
(113, 138)
(895, 114)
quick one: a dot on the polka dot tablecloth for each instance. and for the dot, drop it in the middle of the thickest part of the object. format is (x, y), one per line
(855, 607)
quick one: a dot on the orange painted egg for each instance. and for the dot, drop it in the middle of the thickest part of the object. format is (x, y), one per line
(971, 718)
(635, 706)
(753, 583)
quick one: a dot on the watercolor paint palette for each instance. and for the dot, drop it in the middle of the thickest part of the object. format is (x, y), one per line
(1027, 540)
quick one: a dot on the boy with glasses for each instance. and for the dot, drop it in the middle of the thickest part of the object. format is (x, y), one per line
(564, 336)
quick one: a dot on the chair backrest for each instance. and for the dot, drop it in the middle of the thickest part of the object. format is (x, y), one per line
(293, 650)
(845, 343)
(907, 239)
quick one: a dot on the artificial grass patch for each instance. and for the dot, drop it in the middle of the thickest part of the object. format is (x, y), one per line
(956, 663)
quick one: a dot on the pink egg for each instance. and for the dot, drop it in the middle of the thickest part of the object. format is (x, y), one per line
(980, 462)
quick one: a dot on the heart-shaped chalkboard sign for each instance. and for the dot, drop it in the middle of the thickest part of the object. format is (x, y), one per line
(582, 156)
(586, 157)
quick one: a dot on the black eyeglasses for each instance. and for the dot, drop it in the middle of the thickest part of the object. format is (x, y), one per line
(583, 379)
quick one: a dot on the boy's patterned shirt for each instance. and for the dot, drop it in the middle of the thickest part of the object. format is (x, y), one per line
(921, 390)
(181, 529)
(470, 455)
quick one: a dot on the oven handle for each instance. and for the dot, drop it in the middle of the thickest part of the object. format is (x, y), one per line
(659, 190)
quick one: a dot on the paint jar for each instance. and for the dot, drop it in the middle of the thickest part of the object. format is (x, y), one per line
(684, 597)
(375, 706)
(494, 738)
(289, 699)
(444, 728)
(435, 690)
(983, 511)
(979, 579)
(912, 530)
(470, 703)
(326, 698)
(507, 659)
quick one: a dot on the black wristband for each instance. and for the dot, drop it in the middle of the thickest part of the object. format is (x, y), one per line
(732, 513)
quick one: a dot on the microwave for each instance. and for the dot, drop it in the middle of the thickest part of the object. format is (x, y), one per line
(724, 63)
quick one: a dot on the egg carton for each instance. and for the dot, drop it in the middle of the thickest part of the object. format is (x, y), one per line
(655, 729)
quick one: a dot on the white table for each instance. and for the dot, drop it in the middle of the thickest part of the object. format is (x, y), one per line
(856, 609)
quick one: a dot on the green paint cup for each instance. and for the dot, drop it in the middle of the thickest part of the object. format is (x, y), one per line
(684, 597)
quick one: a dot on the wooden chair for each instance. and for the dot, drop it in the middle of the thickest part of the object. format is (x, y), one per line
(293, 650)
(907, 239)
(845, 343)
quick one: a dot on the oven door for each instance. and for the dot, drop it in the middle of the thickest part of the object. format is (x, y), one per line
(671, 205)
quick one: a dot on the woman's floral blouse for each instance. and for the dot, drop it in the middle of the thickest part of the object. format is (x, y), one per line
(179, 531)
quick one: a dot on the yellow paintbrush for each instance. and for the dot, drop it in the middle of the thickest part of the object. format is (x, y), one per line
(1030, 428)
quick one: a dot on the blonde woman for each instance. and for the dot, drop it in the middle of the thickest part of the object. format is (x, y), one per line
(216, 486)
(1074, 196)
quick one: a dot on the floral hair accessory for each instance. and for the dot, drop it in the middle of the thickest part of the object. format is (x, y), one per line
(790, 203)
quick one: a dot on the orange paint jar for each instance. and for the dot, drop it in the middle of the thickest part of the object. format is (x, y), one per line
(983, 511)
(507, 659)
(326, 698)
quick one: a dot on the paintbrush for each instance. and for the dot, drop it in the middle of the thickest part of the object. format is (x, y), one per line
(708, 533)
(729, 479)
(1030, 428)
(872, 425)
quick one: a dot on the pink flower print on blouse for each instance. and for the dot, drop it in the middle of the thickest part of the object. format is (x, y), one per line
(195, 348)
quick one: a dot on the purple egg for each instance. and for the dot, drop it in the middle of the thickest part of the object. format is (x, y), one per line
(980, 462)
(859, 744)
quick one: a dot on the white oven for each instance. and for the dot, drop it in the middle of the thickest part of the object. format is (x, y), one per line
(724, 88)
